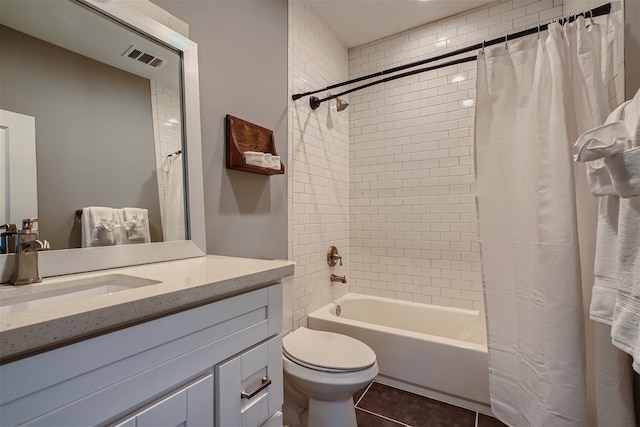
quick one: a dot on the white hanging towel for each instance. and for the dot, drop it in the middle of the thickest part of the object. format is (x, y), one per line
(605, 288)
(618, 143)
(528, 235)
(592, 146)
(613, 386)
(135, 226)
(173, 226)
(614, 381)
(625, 328)
(624, 168)
(100, 226)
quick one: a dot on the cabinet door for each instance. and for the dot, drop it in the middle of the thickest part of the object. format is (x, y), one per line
(171, 411)
(249, 386)
(200, 402)
(274, 421)
(190, 406)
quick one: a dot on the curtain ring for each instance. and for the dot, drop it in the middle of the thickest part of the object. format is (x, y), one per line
(538, 31)
(506, 39)
(483, 45)
(590, 17)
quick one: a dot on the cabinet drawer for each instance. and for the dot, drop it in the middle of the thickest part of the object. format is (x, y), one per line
(249, 385)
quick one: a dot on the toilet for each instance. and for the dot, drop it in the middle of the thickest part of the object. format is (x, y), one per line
(322, 370)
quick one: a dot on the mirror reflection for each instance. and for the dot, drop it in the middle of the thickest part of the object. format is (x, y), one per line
(90, 127)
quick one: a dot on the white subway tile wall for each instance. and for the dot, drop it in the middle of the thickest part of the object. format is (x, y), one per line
(167, 130)
(318, 164)
(401, 208)
(413, 228)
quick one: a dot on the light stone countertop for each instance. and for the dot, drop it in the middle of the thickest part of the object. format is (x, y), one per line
(182, 284)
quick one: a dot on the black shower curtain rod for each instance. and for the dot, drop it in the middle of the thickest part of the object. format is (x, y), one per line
(315, 102)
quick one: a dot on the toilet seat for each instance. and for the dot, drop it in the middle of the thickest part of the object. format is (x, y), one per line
(327, 351)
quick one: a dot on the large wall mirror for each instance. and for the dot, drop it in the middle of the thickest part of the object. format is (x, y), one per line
(99, 112)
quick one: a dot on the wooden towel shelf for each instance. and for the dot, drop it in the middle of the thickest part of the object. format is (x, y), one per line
(243, 136)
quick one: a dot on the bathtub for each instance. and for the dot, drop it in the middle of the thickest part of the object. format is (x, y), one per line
(437, 352)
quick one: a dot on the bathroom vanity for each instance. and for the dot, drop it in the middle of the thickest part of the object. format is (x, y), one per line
(154, 334)
(193, 342)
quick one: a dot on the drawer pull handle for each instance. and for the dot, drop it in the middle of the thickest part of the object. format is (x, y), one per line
(266, 382)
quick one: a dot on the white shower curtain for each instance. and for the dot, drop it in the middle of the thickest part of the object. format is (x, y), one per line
(173, 226)
(529, 109)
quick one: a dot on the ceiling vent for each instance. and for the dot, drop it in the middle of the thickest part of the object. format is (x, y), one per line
(144, 57)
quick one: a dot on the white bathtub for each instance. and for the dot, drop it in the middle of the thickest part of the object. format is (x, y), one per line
(435, 351)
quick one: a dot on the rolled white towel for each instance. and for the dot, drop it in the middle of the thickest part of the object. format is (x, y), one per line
(264, 160)
(275, 162)
(254, 158)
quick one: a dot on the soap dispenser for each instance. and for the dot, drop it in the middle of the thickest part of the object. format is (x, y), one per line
(8, 238)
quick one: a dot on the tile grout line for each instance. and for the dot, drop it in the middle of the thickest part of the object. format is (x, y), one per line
(363, 393)
(386, 418)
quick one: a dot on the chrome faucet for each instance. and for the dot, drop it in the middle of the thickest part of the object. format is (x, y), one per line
(25, 269)
(336, 278)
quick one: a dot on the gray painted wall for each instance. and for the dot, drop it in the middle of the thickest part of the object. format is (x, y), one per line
(88, 116)
(242, 52)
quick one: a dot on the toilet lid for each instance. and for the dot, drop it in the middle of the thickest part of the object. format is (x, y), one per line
(327, 350)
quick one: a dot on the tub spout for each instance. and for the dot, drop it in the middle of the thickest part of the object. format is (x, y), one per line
(336, 278)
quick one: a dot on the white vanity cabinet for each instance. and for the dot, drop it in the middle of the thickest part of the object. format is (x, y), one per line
(186, 369)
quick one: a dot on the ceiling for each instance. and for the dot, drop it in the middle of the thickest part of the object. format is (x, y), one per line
(361, 21)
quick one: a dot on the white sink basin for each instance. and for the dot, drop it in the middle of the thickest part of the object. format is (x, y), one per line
(31, 297)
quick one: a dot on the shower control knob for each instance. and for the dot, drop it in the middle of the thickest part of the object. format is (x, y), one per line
(333, 256)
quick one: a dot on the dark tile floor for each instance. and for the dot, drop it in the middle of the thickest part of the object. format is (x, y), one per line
(379, 405)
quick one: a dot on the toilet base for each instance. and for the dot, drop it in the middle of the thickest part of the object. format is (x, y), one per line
(333, 413)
